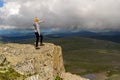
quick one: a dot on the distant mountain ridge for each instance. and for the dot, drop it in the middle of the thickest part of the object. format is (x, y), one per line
(9, 35)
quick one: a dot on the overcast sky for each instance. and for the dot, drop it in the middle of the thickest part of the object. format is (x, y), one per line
(61, 14)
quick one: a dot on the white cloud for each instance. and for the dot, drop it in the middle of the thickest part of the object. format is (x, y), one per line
(62, 14)
(7, 27)
(9, 9)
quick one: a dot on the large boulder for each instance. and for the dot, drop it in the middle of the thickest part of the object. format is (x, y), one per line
(42, 64)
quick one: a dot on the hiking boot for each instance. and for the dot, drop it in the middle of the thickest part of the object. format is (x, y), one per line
(37, 48)
(41, 44)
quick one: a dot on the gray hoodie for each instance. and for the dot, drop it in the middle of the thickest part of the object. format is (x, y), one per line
(37, 27)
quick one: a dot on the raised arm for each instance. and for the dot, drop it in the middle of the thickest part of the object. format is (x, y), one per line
(41, 21)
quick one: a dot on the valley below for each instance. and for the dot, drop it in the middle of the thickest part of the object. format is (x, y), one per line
(88, 57)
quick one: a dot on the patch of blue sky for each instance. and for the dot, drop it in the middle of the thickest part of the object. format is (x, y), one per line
(1, 3)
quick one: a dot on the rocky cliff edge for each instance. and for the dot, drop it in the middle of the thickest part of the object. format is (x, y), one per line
(43, 64)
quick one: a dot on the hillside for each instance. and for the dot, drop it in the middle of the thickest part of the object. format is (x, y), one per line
(114, 38)
(86, 55)
(24, 62)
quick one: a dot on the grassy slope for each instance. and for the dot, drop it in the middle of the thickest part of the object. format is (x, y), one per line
(11, 75)
(85, 55)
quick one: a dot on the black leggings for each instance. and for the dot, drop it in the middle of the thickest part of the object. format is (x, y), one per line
(37, 38)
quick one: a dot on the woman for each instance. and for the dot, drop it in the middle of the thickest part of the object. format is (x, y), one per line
(37, 32)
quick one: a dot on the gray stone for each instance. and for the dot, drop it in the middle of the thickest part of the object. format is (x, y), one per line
(25, 68)
(2, 59)
(35, 77)
(43, 64)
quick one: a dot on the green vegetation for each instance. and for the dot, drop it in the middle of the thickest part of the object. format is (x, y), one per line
(1, 42)
(57, 78)
(11, 75)
(32, 74)
(85, 55)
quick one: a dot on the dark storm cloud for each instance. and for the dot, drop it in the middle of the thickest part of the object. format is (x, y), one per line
(62, 14)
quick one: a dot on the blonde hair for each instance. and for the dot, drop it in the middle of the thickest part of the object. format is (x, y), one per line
(36, 19)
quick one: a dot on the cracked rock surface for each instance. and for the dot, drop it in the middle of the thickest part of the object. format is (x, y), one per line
(42, 64)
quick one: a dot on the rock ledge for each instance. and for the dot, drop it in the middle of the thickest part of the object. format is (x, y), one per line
(43, 64)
